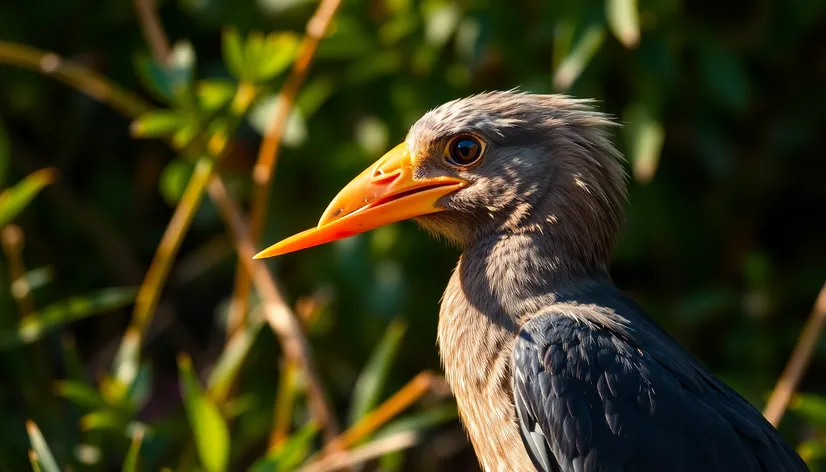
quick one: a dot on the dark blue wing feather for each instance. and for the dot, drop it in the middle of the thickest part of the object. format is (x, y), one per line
(593, 399)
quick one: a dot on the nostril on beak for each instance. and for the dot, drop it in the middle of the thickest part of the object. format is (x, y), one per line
(382, 177)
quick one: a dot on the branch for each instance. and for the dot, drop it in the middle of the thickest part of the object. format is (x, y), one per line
(371, 450)
(798, 361)
(85, 80)
(280, 317)
(152, 30)
(268, 153)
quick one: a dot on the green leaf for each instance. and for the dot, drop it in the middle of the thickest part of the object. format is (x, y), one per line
(314, 94)
(291, 454)
(275, 55)
(371, 381)
(231, 359)
(168, 82)
(233, 53)
(44, 454)
(644, 136)
(103, 420)
(131, 462)
(36, 325)
(211, 433)
(214, 94)
(812, 407)
(158, 123)
(262, 113)
(624, 21)
(174, 179)
(81, 394)
(15, 199)
(580, 56)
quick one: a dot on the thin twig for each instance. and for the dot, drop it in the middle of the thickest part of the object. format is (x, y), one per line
(280, 317)
(13, 240)
(78, 77)
(798, 361)
(264, 169)
(400, 401)
(152, 30)
(379, 447)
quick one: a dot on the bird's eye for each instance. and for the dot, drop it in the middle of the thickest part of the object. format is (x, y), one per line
(465, 150)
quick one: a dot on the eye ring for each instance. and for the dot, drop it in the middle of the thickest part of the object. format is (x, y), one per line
(465, 150)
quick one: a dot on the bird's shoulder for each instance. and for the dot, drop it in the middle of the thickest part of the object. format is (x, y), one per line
(595, 392)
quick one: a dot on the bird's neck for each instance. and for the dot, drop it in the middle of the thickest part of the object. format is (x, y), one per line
(499, 283)
(516, 274)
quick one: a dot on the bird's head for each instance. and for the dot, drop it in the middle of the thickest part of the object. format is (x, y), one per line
(497, 162)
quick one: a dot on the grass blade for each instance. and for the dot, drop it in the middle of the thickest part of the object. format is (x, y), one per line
(624, 21)
(14, 199)
(231, 359)
(644, 136)
(580, 56)
(131, 462)
(208, 426)
(41, 449)
(33, 327)
(370, 383)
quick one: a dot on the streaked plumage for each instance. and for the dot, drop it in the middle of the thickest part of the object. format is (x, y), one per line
(552, 367)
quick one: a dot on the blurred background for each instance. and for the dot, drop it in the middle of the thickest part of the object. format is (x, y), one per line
(114, 116)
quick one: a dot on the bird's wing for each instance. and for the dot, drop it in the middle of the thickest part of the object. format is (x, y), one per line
(590, 399)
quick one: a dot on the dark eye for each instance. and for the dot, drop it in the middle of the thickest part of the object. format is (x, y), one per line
(465, 150)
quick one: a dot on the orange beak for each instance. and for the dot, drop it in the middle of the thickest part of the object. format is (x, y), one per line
(384, 193)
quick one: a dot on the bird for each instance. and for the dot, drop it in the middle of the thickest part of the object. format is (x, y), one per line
(553, 367)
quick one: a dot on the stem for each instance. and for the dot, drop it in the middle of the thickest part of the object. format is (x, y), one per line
(278, 314)
(268, 153)
(80, 78)
(150, 290)
(798, 362)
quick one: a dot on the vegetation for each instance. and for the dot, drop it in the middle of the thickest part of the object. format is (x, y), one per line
(139, 144)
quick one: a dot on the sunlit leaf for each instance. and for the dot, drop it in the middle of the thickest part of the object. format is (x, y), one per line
(441, 18)
(277, 53)
(33, 461)
(208, 426)
(233, 52)
(368, 389)
(214, 94)
(314, 94)
(81, 394)
(644, 135)
(623, 19)
(103, 420)
(158, 123)
(812, 407)
(422, 421)
(14, 200)
(168, 82)
(811, 451)
(291, 454)
(230, 361)
(263, 113)
(44, 454)
(174, 179)
(131, 462)
(579, 57)
(36, 325)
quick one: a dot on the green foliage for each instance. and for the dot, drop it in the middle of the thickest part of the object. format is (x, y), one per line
(42, 458)
(721, 116)
(208, 426)
(13, 200)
